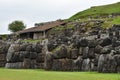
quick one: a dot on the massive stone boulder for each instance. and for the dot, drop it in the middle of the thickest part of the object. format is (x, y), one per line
(117, 60)
(83, 42)
(62, 65)
(77, 64)
(61, 52)
(91, 53)
(48, 61)
(98, 49)
(101, 62)
(73, 54)
(92, 44)
(108, 62)
(17, 65)
(86, 65)
(85, 52)
(11, 52)
(106, 50)
(106, 42)
(3, 52)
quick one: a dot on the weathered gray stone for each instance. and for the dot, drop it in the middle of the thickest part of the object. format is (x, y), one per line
(40, 58)
(39, 65)
(17, 65)
(106, 42)
(33, 64)
(83, 42)
(61, 53)
(48, 61)
(106, 50)
(77, 64)
(62, 65)
(38, 48)
(26, 63)
(110, 63)
(85, 52)
(74, 53)
(101, 62)
(13, 48)
(2, 57)
(92, 44)
(117, 60)
(98, 49)
(33, 55)
(91, 53)
(86, 65)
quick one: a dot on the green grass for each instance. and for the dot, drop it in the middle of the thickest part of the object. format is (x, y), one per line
(110, 21)
(32, 40)
(13, 74)
(116, 20)
(98, 10)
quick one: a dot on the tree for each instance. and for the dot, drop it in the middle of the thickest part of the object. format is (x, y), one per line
(16, 26)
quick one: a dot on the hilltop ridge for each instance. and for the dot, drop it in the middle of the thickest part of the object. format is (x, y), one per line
(98, 11)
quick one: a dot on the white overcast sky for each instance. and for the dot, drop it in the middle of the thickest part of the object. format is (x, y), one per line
(35, 11)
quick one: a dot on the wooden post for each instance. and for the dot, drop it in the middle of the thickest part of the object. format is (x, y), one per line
(44, 34)
(28, 35)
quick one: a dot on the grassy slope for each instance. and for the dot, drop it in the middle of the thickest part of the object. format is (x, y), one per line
(110, 21)
(98, 10)
(12, 74)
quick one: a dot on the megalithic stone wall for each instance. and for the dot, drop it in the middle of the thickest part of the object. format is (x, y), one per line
(100, 54)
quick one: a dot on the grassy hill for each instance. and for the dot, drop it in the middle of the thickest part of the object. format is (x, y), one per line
(15, 74)
(98, 10)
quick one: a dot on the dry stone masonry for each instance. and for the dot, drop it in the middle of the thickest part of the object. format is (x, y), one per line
(25, 55)
(74, 52)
